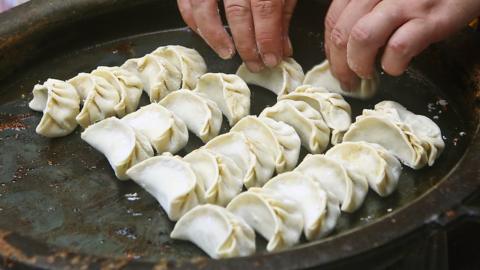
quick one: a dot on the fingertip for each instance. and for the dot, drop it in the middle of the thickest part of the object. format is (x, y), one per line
(255, 66)
(287, 47)
(270, 60)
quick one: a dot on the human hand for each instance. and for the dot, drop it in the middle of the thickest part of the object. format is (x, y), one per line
(259, 28)
(356, 30)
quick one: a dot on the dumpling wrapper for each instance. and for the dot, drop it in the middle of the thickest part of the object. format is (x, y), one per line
(126, 83)
(159, 76)
(188, 62)
(398, 139)
(60, 104)
(334, 178)
(319, 215)
(321, 76)
(101, 101)
(378, 166)
(276, 218)
(289, 142)
(307, 122)
(166, 132)
(216, 231)
(171, 181)
(219, 176)
(281, 80)
(119, 143)
(202, 116)
(235, 145)
(84, 83)
(423, 127)
(266, 147)
(229, 92)
(336, 112)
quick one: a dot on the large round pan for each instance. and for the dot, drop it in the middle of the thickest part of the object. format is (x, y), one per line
(61, 206)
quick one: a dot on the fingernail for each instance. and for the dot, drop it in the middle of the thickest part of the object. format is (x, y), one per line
(226, 53)
(289, 51)
(270, 60)
(254, 66)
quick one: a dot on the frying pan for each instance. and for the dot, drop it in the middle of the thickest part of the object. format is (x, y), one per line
(61, 206)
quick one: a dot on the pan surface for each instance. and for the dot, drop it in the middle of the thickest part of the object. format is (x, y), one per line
(62, 194)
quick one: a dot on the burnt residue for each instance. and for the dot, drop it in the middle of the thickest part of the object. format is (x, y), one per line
(13, 122)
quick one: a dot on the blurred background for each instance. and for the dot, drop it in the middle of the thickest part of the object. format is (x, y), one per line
(8, 4)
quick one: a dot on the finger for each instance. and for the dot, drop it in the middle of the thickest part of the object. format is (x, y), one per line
(267, 17)
(339, 39)
(407, 42)
(240, 19)
(288, 8)
(334, 12)
(187, 15)
(210, 27)
(370, 34)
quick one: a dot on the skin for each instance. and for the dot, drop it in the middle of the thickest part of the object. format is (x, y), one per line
(357, 32)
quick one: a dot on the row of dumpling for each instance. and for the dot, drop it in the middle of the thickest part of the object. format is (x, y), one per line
(288, 76)
(114, 91)
(163, 127)
(308, 199)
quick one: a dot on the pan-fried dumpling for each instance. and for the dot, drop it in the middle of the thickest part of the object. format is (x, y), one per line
(188, 61)
(289, 142)
(321, 76)
(266, 147)
(159, 76)
(60, 104)
(307, 122)
(166, 132)
(119, 143)
(334, 109)
(171, 181)
(101, 102)
(275, 217)
(219, 176)
(202, 116)
(380, 168)
(229, 92)
(84, 83)
(423, 127)
(311, 199)
(126, 83)
(398, 139)
(236, 146)
(334, 178)
(216, 231)
(282, 79)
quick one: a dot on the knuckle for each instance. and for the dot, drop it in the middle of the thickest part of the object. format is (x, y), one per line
(265, 8)
(361, 35)
(237, 9)
(330, 21)
(400, 47)
(340, 40)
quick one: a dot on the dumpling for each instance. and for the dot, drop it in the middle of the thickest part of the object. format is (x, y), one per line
(282, 79)
(276, 218)
(289, 142)
(101, 102)
(202, 116)
(266, 147)
(219, 176)
(334, 109)
(307, 122)
(166, 132)
(312, 200)
(378, 166)
(188, 61)
(334, 178)
(321, 76)
(171, 181)
(60, 104)
(126, 83)
(84, 83)
(229, 92)
(398, 139)
(216, 231)
(423, 127)
(159, 76)
(121, 145)
(236, 146)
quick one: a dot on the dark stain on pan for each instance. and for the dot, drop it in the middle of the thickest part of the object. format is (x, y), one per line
(61, 206)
